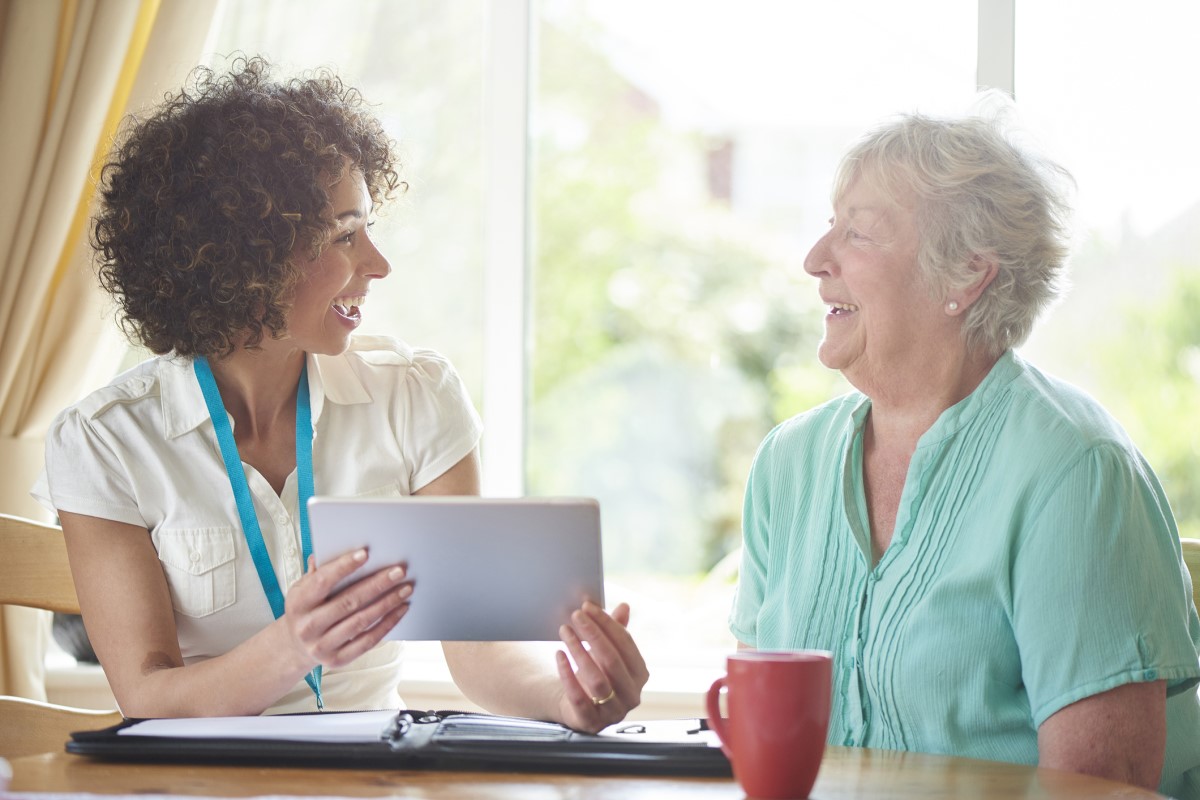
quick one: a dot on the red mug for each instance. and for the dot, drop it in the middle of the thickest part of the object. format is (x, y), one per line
(778, 717)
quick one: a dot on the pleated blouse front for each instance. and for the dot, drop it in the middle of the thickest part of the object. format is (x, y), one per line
(1034, 562)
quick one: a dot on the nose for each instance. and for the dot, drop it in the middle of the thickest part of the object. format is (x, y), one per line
(375, 262)
(819, 260)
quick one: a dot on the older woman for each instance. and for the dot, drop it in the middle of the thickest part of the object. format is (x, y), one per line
(235, 235)
(990, 560)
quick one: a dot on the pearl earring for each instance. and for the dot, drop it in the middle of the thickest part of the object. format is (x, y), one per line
(952, 305)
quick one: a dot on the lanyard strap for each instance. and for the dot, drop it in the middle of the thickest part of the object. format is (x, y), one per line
(241, 488)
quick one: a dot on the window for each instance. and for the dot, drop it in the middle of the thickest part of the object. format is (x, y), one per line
(1127, 331)
(678, 181)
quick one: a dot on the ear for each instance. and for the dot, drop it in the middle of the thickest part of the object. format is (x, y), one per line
(983, 267)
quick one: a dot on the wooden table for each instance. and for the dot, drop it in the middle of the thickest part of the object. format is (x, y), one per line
(845, 773)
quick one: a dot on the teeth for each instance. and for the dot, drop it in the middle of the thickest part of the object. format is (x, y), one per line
(345, 304)
(842, 307)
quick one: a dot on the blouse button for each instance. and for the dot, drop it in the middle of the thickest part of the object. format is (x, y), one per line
(282, 519)
(194, 556)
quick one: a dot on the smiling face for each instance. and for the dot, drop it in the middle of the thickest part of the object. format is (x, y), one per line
(333, 287)
(880, 314)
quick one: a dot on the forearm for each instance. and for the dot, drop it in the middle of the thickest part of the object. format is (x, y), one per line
(247, 680)
(513, 678)
(127, 609)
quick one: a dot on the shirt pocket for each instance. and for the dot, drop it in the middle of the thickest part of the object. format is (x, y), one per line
(199, 564)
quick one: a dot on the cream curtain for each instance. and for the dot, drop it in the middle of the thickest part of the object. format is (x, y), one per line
(69, 71)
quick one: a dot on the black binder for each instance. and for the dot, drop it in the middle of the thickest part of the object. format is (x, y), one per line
(452, 740)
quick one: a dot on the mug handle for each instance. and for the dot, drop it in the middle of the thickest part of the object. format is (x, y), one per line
(716, 722)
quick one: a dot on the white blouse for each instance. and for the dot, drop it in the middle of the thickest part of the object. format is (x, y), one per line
(387, 420)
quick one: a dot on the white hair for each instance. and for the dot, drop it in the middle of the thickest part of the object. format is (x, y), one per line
(976, 194)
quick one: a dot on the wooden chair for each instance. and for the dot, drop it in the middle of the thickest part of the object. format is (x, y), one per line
(1191, 556)
(34, 573)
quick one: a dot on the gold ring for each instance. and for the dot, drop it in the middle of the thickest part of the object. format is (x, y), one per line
(599, 701)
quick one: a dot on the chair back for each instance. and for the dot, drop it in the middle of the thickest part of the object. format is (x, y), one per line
(1191, 557)
(34, 573)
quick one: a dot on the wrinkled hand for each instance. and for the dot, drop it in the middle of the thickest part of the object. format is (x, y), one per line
(609, 672)
(335, 630)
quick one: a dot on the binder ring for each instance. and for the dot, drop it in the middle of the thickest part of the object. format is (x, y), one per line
(599, 701)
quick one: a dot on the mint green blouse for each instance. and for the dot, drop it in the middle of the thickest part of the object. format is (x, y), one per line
(1034, 562)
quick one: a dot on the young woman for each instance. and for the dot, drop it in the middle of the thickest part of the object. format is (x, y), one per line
(234, 235)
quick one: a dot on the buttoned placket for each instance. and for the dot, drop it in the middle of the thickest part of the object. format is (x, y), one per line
(858, 705)
(854, 699)
(858, 711)
(283, 542)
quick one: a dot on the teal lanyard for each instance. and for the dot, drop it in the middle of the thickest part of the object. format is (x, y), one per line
(241, 489)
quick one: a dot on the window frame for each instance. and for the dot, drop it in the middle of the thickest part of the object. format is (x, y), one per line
(506, 247)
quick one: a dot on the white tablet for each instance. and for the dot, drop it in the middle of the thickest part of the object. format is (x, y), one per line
(482, 569)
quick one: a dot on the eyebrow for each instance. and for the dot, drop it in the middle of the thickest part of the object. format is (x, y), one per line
(874, 217)
(354, 212)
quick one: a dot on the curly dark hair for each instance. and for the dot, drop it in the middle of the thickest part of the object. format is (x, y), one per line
(205, 198)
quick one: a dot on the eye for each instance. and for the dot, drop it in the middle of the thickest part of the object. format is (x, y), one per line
(349, 236)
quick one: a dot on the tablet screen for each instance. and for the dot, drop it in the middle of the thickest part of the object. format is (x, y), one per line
(482, 569)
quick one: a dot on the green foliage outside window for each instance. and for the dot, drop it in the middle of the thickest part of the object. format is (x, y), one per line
(1152, 369)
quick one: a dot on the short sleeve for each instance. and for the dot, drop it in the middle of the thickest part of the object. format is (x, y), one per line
(442, 426)
(83, 475)
(756, 525)
(1099, 595)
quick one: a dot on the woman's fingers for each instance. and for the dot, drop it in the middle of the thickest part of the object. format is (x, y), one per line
(594, 680)
(579, 710)
(575, 694)
(334, 629)
(609, 671)
(317, 582)
(610, 640)
(599, 666)
(344, 650)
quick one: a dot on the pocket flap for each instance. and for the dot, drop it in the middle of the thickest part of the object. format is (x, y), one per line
(196, 550)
